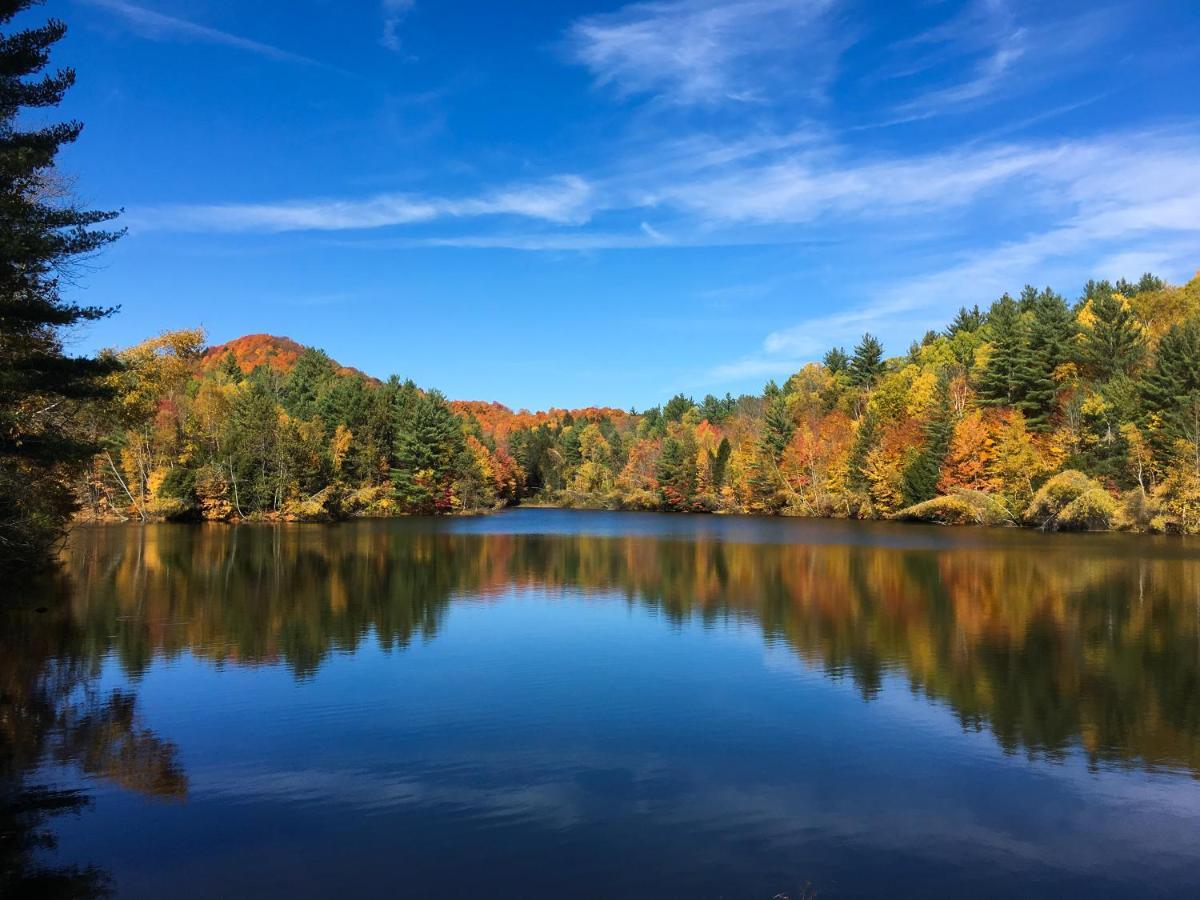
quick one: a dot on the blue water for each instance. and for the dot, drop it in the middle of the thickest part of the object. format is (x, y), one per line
(549, 703)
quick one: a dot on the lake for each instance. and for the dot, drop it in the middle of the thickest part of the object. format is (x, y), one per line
(577, 704)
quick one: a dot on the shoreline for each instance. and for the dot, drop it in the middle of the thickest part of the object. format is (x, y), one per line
(698, 514)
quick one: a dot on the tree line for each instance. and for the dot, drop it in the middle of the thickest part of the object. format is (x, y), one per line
(1049, 654)
(1082, 414)
(1033, 410)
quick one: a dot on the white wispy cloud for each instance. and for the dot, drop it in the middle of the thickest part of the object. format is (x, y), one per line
(806, 187)
(563, 199)
(394, 14)
(158, 26)
(1117, 206)
(988, 50)
(654, 234)
(988, 75)
(708, 51)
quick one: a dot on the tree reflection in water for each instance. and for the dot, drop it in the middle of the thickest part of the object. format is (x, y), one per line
(1049, 642)
(51, 713)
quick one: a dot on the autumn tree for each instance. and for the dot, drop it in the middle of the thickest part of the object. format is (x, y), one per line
(969, 456)
(1015, 462)
(142, 425)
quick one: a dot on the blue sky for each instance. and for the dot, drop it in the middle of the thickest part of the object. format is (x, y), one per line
(560, 203)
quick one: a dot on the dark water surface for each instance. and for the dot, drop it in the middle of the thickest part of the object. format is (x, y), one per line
(549, 703)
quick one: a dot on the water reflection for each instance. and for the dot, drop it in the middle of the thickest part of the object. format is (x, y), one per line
(1048, 643)
(51, 714)
(526, 733)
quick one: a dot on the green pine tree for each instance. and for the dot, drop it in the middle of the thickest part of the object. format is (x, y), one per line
(867, 364)
(677, 406)
(310, 376)
(229, 368)
(865, 440)
(967, 321)
(428, 452)
(1005, 377)
(676, 473)
(1051, 340)
(777, 428)
(42, 444)
(718, 463)
(1114, 344)
(836, 361)
(1171, 387)
(921, 476)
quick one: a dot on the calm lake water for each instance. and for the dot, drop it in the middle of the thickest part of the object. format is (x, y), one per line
(573, 704)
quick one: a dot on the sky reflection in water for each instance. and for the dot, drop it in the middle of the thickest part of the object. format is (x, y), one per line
(546, 702)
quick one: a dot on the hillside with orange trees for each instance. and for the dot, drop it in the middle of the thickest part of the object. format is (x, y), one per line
(254, 350)
(1036, 410)
(497, 421)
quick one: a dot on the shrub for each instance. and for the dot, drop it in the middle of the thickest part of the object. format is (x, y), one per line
(1070, 501)
(961, 507)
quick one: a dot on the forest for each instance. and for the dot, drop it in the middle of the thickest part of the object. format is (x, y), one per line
(1034, 411)
(1037, 411)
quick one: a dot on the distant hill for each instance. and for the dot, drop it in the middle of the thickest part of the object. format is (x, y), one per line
(253, 350)
(497, 420)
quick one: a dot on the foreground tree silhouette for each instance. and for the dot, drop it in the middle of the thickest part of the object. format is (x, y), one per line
(41, 233)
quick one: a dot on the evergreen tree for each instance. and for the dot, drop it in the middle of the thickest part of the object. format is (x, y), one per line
(530, 447)
(967, 321)
(1149, 283)
(653, 424)
(676, 407)
(1007, 373)
(921, 476)
(1114, 343)
(253, 459)
(1051, 340)
(41, 235)
(343, 400)
(1171, 387)
(717, 409)
(836, 361)
(677, 471)
(1144, 285)
(310, 376)
(428, 452)
(1092, 291)
(229, 368)
(865, 440)
(570, 446)
(867, 364)
(1028, 298)
(777, 427)
(719, 462)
